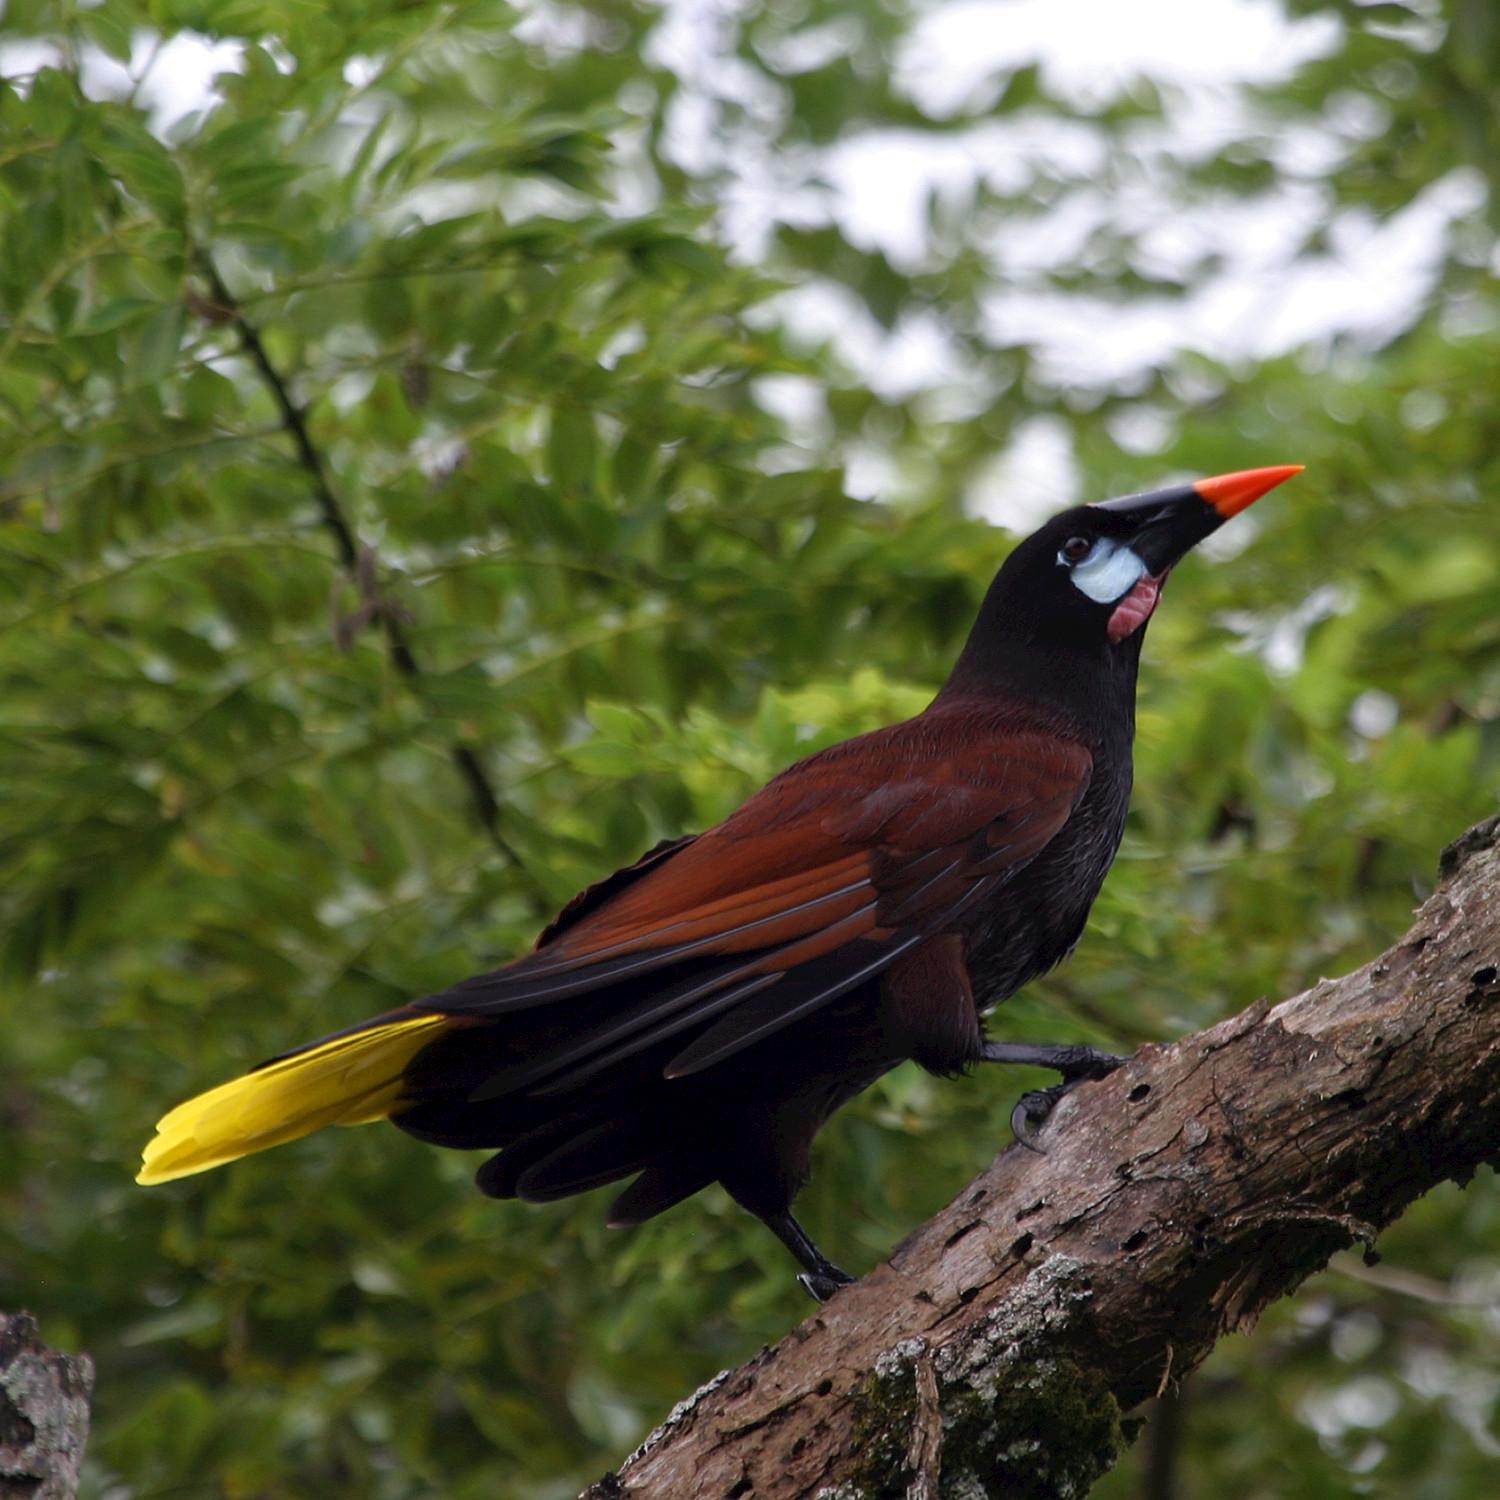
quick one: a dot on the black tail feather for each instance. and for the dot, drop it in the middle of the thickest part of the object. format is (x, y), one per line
(592, 1158)
(660, 1187)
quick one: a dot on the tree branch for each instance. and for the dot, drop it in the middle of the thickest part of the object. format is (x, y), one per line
(355, 561)
(44, 1413)
(1176, 1199)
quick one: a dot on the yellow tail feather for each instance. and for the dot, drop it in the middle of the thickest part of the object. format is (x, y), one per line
(349, 1080)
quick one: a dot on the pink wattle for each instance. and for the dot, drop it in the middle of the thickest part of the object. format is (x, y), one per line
(1135, 608)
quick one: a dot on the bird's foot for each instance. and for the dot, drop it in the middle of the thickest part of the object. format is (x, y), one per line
(820, 1278)
(820, 1285)
(1091, 1063)
(1032, 1110)
(1076, 1064)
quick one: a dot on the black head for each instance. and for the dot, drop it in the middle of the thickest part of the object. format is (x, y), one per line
(1081, 589)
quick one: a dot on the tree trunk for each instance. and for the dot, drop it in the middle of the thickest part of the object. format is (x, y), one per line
(44, 1413)
(999, 1351)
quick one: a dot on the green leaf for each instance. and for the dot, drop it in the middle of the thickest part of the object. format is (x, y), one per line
(156, 346)
(118, 312)
(571, 449)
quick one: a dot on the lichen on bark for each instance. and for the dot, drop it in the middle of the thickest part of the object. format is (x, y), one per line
(1003, 1391)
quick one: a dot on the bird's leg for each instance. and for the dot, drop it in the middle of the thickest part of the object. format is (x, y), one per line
(1073, 1061)
(1076, 1064)
(820, 1278)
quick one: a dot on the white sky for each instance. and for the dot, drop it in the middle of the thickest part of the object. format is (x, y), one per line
(1265, 297)
(1090, 50)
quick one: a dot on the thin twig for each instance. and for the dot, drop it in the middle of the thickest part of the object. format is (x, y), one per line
(1164, 1447)
(294, 419)
(1404, 1283)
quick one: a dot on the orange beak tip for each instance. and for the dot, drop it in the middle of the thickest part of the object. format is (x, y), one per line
(1229, 494)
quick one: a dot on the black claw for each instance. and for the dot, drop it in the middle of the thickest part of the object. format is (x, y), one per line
(1032, 1110)
(1077, 1064)
(821, 1285)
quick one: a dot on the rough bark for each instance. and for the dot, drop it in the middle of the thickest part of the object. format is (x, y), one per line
(1001, 1349)
(44, 1413)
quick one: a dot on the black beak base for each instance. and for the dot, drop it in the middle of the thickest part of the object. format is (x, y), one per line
(1170, 523)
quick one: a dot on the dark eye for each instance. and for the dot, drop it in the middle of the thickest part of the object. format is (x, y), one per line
(1075, 549)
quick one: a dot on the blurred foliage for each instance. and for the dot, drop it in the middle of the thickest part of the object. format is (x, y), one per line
(592, 470)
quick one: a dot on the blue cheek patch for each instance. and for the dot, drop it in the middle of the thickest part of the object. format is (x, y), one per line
(1108, 573)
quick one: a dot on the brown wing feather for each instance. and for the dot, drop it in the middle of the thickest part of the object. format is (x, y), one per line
(863, 850)
(864, 811)
(592, 897)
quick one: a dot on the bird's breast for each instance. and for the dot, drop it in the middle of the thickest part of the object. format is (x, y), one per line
(1035, 919)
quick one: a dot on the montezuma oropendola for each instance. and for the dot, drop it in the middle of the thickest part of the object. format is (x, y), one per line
(698, 1015)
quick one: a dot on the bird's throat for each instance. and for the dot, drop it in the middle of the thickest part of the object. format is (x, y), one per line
(1135, 608)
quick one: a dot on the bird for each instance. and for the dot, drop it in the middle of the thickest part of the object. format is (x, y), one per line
(697, 1016)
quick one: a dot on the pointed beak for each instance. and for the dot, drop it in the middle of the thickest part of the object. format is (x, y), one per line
(1173, 521)
(1229, 494)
